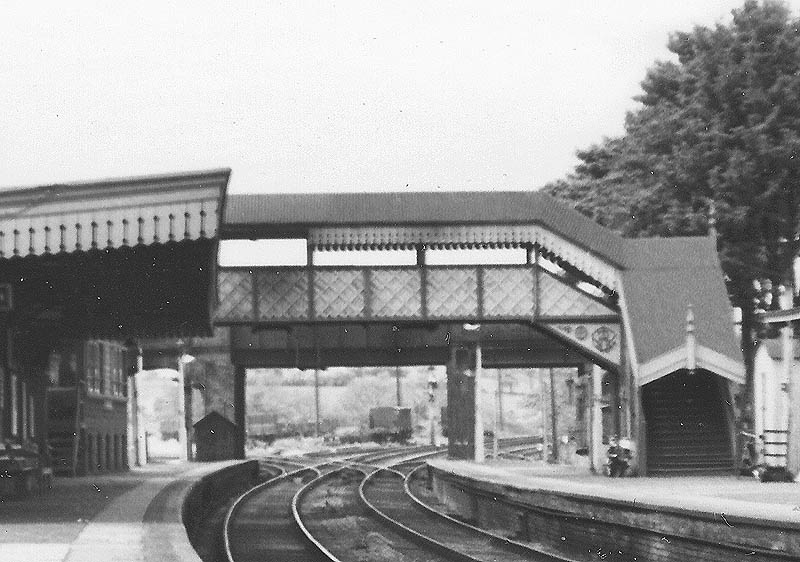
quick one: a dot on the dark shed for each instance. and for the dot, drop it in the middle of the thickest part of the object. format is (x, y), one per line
(215, 436)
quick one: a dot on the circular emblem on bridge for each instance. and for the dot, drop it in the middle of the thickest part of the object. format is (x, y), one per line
(604, 339)
(581, 332)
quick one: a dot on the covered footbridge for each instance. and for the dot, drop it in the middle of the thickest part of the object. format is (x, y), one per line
(648, 319)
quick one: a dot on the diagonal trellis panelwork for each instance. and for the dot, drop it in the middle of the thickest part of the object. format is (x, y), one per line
(386, 294)
(557, 298)
(339, 293)
(396, 293)
(509, 292)
(235, 290)
(282, 294)
(453, 292)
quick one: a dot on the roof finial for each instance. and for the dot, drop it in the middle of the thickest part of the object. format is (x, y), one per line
(691, 342)
(712, 218)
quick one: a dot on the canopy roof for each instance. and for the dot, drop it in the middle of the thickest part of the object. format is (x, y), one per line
(115, 258)
(111, 213)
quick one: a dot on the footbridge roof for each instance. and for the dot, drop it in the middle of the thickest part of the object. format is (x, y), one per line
(297, 213)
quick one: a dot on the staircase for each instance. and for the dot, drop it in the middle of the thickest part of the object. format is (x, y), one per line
(63, 429)
(687, 426)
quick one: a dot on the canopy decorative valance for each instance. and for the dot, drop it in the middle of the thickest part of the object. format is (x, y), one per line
(110, 214)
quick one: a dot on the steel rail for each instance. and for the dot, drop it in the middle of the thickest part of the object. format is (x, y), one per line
(314, 467)
(278, 458)
(439, 546)
(355, 462)
(280, 470)
(730, 549)
(298, 497)
(357, 466)
(522, 548)
(229, 516)
(429, 542)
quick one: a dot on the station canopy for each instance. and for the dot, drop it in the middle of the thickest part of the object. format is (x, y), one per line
(112, 259)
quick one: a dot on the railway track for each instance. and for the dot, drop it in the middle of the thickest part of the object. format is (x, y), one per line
(260, 526)
(270, 470)
(377, 507)
(209, 540)
(333, 517)
(356, 508)
(386, 492)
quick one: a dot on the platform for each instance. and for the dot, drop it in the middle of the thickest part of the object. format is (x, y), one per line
(115, 517)
(738, 512)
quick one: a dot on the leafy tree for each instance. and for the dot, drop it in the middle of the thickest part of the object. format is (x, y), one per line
(364, 393)
(720, 126)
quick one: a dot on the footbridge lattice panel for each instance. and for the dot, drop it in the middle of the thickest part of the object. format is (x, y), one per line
(387, 294)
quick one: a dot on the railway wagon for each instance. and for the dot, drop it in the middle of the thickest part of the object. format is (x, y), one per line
(390, 423)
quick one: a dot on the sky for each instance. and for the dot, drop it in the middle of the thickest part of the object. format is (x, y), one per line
(325, 96)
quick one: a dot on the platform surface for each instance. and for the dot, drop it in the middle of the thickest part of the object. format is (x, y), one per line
(117, 517)
(719, 496)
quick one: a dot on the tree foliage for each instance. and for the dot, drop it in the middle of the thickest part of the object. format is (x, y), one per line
(720, 124)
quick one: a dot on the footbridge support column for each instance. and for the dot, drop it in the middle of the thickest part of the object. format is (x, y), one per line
(239, 414)
(464, 430)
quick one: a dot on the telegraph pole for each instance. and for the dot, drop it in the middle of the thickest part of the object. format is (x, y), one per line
(500, 399)
(398, 385)
(554, 414)
(317, 364)
(316, 402)
(479, 447)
